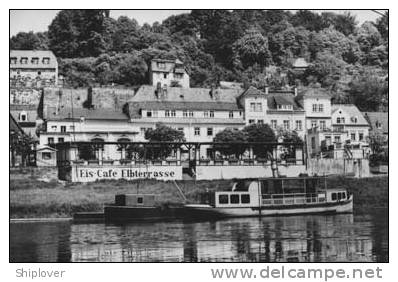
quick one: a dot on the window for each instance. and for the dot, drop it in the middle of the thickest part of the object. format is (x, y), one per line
(259, 107)
(354, 119)
(206, 114)
(23, 116)
(320, 108)
(149, 113)
(63, 128)
(339, 196)
(252, 107)
(353, 136)
(223, 199)
(314, 123)
(24, 61)
(39, 72)
(260, 121)
(285, 107)
(360, 137)
(313, 142)
(322, 124)
(234, 199)
(337, 139)
(197, 131)
(46, 156)
(181, 129)
(378, 125)
(140, 200)
(167, 113)
(274, 123)
(178, 75)
(190, 114)
(165, 75)
(209, 131)
(314, 108)
(343, 195)
(13, 61)
(185, 113)
(155, 113)
(299, 125)
(251, 121)
(142, 130)
(61, 140)
(245, 199)
(286, 124)
(72, 128)
(46, 61)
(173, 113)
(334, 196)
(50, 140)
(35, 61)
(212, 114)
(231, 114)
(54, 127)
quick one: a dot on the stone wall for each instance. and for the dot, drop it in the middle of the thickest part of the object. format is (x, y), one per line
(354, 167)
(42, 173)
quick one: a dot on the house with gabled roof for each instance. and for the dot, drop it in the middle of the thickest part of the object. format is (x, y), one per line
(378, 123)
(169, 73)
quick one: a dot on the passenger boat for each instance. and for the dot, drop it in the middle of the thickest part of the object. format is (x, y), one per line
(274, 196)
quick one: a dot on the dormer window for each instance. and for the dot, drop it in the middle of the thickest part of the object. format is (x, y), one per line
(46, 61)
(354, 119)
(161, 65)
(13, 61)
(24, 60)
(340, 120)
(23, 116)
(35, 61)
(285, 107)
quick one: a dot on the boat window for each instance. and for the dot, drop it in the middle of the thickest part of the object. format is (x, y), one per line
(343, 195)
(223, 199)
(245, 198)
(140, 200)
(334, 197)
(339, 196)
(234, 199)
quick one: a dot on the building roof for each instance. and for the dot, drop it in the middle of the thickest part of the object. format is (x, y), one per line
(377, 117)
(313, 93)
(177, 98)
(170, 66)
(33, 54)
(273, 100)
(45, 147)
(251, 91)
(31, 112)
(229, 121)
(88, 114)
(14, 126)
(352, 111)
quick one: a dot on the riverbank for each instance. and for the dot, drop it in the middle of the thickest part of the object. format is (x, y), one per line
(32, 198)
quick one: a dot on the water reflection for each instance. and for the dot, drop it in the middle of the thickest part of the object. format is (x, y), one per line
(278, 239)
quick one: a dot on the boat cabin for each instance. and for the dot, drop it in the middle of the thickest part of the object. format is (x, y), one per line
(278, 191)
(135, 200)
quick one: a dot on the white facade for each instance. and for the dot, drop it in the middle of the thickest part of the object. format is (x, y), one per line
(317, 112)
(255, 109)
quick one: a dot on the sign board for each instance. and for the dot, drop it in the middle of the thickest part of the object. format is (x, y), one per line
(90, 173)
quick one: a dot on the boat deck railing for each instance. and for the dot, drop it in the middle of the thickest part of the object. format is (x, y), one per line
(292, 199)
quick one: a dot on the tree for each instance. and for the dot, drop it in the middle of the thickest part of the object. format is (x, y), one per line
(344, 23)
(78, 33)
(368, 37)
(288, 136)
(251, 49)
(29, 41)
(260, 133)
(229, 135)
(369, 92)
(308, 20)
(162, 133)
(382, 26)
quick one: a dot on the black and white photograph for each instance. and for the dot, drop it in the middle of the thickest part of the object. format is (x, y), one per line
(158, 136)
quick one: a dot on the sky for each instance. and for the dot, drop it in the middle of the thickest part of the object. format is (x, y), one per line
(21, 20)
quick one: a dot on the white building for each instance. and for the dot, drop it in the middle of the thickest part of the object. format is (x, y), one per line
(169, 73)
(32, 65)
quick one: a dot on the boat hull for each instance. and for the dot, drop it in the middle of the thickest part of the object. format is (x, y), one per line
(203, 211)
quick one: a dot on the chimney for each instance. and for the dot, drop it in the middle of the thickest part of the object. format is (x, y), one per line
(266, 90)
(158, 90)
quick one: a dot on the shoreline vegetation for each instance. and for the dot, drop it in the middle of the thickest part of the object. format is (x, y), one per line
(32, 198)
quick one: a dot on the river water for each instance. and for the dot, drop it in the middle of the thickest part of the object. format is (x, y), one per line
(310, 238)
